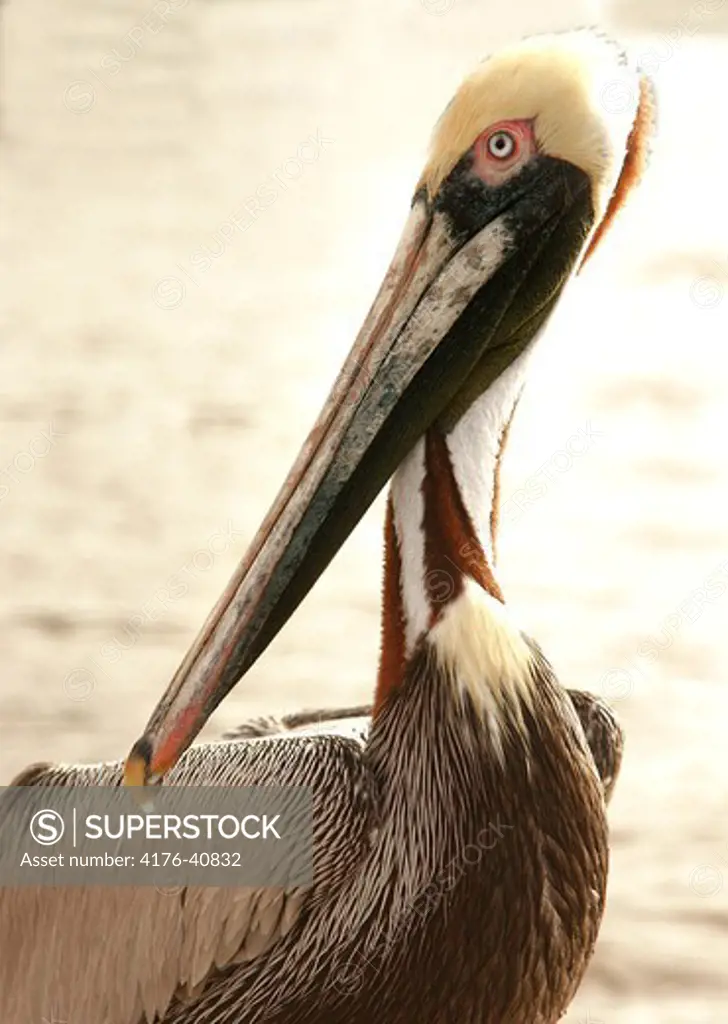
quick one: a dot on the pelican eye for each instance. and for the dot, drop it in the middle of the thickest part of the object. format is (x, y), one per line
(502, 145)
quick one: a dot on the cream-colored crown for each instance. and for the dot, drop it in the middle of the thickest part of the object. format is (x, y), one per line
(579, 89)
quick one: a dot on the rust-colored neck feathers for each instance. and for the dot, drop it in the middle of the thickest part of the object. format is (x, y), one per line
(452, 548)
(392, 659)
(451, 552)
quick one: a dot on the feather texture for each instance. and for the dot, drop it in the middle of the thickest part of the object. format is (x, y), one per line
(149, 950)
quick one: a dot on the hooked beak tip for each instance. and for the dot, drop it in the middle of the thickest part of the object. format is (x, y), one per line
(137, 769)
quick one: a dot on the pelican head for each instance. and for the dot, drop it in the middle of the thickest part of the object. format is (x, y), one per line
(527, 166)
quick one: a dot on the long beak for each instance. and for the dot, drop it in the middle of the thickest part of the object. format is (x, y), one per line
(469, 285)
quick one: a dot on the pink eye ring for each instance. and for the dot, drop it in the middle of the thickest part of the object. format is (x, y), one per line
(502, 144)
(502, 149)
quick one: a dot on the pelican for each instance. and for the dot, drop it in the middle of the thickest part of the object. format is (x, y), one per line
(469, 726)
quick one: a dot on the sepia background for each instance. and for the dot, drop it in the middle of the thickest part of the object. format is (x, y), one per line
(165, 343)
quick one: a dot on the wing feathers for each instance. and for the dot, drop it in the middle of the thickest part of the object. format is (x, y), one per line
(122, 955)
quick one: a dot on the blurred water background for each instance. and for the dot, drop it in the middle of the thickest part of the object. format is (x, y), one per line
(165, 344)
